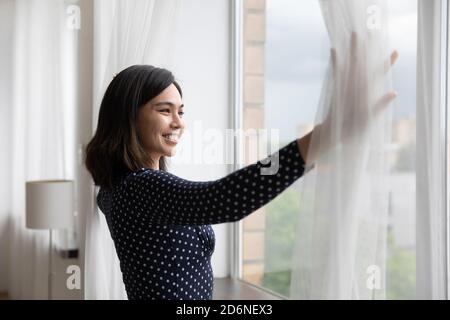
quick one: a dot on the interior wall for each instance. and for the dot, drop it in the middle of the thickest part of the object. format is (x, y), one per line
(202, 65)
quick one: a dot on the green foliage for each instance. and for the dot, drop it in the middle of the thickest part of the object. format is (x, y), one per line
(401, 272)
(278, 282)
(282, 222)
(406, 160)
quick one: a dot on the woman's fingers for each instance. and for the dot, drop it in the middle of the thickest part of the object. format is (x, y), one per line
(385, 101)
(354, 81)
(333, 56)
(353, 56)
(391, 61)
(354, 46)
(394, 57)
(352, 75)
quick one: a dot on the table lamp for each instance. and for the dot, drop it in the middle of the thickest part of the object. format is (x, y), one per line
(49, 205)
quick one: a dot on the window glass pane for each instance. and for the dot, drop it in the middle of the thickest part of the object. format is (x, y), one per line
(286, 55)
(401, 262)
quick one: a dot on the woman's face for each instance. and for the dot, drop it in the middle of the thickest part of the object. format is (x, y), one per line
(160, 124)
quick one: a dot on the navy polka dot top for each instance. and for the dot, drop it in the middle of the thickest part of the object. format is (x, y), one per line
(161, 223)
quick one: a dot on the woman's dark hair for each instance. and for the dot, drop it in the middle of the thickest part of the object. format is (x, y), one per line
(115, 148)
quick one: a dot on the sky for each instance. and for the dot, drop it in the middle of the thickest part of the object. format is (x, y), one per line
(297, 52)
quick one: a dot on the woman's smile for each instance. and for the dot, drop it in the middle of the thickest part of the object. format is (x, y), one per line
(171, 138)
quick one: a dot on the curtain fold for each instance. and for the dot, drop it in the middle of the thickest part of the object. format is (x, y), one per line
(41, 125)
(125, 33)
(340, 250)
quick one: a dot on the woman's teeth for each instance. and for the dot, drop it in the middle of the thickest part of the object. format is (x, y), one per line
(171, 137)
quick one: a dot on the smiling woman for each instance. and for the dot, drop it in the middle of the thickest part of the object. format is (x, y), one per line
(161, 223)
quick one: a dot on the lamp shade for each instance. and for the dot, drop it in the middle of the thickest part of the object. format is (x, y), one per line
(49, 204)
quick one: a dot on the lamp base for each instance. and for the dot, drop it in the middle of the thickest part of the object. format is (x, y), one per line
(50, 265)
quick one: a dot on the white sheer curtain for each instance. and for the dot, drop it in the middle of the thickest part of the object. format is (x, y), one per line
(125, 33)
(41, 130)
(432, 163)
(340, 250)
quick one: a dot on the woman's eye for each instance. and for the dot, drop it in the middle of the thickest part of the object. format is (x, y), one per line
(168, 111)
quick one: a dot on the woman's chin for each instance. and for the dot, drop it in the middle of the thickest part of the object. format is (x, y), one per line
(170, 152)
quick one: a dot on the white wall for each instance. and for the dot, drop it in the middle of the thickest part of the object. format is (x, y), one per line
(202, 66)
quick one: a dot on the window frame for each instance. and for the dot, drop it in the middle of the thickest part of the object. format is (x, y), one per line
(236, 84)
(236, 115)
(428, 272)
(446, 26)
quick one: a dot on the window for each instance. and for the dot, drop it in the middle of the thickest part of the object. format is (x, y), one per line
(282, 81)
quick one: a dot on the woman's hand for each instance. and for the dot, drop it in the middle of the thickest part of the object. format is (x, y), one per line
(352, 105)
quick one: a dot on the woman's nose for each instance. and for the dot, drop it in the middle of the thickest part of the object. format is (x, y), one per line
(177, 121)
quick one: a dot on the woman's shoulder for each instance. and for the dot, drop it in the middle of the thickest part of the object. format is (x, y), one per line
(144, 175)
(144, 172)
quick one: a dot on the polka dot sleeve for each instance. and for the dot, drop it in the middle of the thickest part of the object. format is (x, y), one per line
(163, 198)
